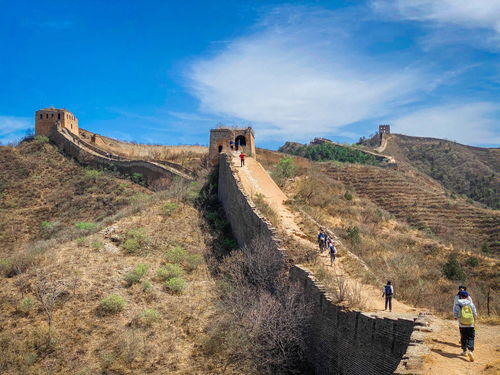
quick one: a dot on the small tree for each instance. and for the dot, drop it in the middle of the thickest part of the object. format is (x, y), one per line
(49, 293)
(283, 170)
(452, 269)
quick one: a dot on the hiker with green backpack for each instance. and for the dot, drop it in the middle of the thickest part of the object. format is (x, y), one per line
(465, 312)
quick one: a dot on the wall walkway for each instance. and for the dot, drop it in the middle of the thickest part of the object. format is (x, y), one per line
(340, 341)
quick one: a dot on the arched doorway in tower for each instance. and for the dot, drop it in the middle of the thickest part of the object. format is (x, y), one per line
(240, 141)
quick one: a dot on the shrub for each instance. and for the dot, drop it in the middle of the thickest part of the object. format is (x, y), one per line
(136, 274)
(348, 196)
(176, 254)
(169, 271)
(97, 245)
(138, 178)
(86, 227)
(80, 242)
(283, 170)
(175, 285)
(353, 235)
(92, 174)
(6, 267)
(192, 261)
(25, 305)
(147, 286)
(452, 269)
(112, 304)
(148, 317)
(473, 262)
(41, 139)
(168, 208)
(49, 228)
(486, 248)
(136, 239)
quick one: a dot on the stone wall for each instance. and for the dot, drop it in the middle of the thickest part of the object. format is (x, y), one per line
(340, 341)
(71, 147)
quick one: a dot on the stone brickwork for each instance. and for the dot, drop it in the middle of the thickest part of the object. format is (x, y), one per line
(230, 139)
(47, 118)
(340, 341)
(87, 154)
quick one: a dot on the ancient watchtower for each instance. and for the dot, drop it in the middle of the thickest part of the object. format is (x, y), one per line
(227, 139)
(46, 118)
(384, 129)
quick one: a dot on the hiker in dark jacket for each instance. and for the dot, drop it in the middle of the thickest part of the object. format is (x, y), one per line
(321, 240)
(388, 291)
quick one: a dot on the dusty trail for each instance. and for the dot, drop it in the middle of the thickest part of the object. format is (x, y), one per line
(444, 358)
(255, 179)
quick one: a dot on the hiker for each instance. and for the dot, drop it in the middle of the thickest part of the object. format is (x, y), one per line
(321, 240)
(461, 288)
(332, 251)
(242, 158)
(465, 312)
(388, 291)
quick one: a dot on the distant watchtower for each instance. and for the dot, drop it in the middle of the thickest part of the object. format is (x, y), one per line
(46, 118)
(227, 139)
(384, 129)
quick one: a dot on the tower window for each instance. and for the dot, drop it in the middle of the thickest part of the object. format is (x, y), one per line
(58, 116)
(47, 115)
(41, 116)
(52, 115)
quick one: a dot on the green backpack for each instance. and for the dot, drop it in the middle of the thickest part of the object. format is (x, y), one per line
(466, 316)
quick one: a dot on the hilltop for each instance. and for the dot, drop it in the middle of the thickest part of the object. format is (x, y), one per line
(464, 170)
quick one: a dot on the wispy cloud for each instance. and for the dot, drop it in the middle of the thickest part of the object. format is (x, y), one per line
(13, 128)
(300, 75)
(468, 123)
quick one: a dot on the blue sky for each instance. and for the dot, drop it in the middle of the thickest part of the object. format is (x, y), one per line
(167, 71)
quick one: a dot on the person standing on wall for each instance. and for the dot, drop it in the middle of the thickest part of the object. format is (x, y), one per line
(388, 291)
(465, 312)
(332, 250)
(321, 240)
(242, 158)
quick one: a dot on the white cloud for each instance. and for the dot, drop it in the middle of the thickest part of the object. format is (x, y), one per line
(468, 123)
(13, 128)
(301, 75)
(465, 13)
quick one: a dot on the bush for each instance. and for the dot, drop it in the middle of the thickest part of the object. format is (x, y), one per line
(169, 271)
(112, 304)
(176, 285)
(473, 262)
(138, 178)
(168, 208)
(147, 286)
(348, 196)
(41, 139)
(192, 261)
(148, 317)
(283, 170)
(80, 242)
(97, 245)
(486, 248)
(353, 235)
(86, 227)
(6, 267)
(136, 239)
(136, 274)
(49, 228)
(92, 174)
(25, 305)
(452, 269)
(176, 254)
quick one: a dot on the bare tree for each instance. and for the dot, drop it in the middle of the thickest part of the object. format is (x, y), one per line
(50, 293)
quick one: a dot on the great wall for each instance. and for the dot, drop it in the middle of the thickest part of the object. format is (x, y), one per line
(340, 340)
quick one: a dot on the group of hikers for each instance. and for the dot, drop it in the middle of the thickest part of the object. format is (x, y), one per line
(325, 242)
(464, 310)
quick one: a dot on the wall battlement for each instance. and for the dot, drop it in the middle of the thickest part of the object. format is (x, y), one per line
(340, 341)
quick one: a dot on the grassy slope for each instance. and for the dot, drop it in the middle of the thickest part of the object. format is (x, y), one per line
(391, 248)
(472, 171)
(39, 184)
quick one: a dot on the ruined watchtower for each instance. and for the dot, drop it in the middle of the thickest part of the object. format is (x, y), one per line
(46, 118)
(227, 139)
(384, 129)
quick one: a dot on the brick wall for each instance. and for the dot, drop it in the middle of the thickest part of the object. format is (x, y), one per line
(340, 341)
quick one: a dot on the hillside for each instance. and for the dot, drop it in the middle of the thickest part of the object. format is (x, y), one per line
(471, 171)
(42, 192)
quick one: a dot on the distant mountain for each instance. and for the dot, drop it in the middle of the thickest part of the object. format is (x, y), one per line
(471, 171)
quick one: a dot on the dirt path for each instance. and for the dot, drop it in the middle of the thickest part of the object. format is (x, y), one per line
(444, 358)
(255, 180)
